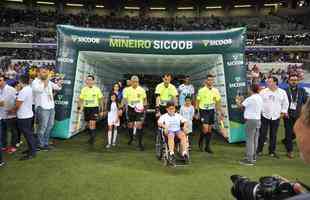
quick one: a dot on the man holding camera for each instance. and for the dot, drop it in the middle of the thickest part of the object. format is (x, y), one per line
(276, 187)
(302, 131)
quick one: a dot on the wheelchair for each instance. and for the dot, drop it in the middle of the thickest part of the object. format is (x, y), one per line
(162, 150)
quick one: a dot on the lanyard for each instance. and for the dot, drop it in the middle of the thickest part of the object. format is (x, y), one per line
(291, 95)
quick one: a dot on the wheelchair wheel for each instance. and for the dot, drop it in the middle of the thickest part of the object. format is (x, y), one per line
(159, 146)
(165, 161)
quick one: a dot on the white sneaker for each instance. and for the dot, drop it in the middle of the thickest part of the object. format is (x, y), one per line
(19, 144)
(2, 164)
(108, 146)
(113, 144)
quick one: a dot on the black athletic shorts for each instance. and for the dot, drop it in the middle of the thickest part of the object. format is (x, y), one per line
(133, 116)
(91, 113)
(207, 116)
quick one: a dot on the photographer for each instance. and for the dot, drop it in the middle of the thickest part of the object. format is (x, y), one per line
(302, 131)
(277, 187)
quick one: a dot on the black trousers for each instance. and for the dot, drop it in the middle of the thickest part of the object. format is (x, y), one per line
(271, 126)
(10, 125)
(25, 126)
(289, 133)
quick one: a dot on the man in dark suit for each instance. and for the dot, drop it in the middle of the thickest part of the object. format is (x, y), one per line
(297, 97)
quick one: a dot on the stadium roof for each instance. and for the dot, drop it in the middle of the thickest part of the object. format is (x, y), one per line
(162, 3)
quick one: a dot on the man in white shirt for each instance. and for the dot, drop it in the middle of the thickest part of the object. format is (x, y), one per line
(24, 114)
(44, 106)
(275, 106)
(186, 89)
(7, 102)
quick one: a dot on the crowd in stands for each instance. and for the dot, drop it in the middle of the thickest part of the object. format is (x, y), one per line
(13, 71)
(29, 54)
(28, 36)
(265, 30)
(275, 56)
(257, 56)
(256, 75)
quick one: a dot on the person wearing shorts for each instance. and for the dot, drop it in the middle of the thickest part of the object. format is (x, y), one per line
(91, 100)
(208, 100)
(136, 100)
(172, 122)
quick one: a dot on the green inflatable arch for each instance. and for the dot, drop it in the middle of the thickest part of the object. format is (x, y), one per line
(109, 54)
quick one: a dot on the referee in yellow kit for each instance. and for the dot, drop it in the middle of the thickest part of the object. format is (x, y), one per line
(136, 99)
(91, 100)
(208, 101)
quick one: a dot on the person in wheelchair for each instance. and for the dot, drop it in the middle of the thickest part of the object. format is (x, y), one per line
(171, 123)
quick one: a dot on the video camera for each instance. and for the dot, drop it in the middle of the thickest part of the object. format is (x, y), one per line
(268, 188)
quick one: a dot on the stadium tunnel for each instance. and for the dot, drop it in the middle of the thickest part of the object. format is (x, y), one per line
(110, 55)
(110, 67)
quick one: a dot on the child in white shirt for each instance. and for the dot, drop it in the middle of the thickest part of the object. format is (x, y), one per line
(187, 111)
(171, 123)
(113, 120)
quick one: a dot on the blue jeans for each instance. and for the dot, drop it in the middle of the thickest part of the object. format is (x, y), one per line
(1, 122)
(45, 119)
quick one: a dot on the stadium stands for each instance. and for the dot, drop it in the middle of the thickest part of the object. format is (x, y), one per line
(36, 26)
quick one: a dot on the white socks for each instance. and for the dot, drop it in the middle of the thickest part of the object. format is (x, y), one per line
(109, 137)
(114, 136)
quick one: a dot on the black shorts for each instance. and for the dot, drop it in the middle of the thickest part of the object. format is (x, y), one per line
(207, 116)
(133, 116)
(91, 113)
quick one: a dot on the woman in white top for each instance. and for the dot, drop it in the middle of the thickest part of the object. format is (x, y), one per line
(252, 106)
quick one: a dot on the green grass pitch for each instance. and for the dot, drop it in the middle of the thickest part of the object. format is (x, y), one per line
(75, 171)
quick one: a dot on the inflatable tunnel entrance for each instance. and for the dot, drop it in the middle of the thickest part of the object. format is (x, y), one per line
(110, 54)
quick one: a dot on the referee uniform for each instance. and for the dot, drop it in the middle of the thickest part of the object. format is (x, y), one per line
(207, 98)
(91, 97)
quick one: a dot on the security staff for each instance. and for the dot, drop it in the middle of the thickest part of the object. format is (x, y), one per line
(297, 97)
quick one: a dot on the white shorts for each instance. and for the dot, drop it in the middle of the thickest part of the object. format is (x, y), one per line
(189, 127)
